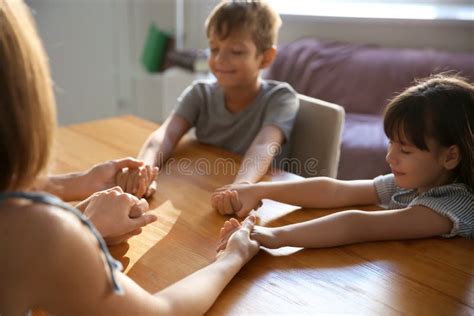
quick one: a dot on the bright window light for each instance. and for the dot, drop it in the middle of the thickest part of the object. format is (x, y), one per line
(376, 9)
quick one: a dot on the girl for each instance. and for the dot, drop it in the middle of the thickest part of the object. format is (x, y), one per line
(52, 257)
(429, 193)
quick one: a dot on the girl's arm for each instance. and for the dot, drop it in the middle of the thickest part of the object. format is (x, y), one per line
(319, 192)
(260, 155)
(160, 144)
(350, 227)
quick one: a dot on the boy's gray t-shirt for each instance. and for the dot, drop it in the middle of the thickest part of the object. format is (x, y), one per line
(202, 105)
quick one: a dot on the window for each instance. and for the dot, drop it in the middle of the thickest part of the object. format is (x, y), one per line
(447, 10)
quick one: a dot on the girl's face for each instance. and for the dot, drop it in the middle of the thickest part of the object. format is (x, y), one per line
(418, 169)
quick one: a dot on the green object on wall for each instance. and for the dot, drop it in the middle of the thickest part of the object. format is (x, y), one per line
(155, 49)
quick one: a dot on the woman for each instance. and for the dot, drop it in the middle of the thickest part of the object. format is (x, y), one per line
(52, 256)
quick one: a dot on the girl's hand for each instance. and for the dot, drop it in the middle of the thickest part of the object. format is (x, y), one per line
(235, 239)
(237, 199)
(138, 181)
(117, 215)
(265, 236)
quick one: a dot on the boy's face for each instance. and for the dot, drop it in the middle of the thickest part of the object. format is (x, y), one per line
(414, 168)
(234, 60)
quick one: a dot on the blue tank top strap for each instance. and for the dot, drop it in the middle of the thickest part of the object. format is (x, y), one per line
(55, 201)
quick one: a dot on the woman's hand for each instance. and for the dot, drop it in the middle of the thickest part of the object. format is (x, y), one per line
(235, 239)
(103, 175)
(265, 236)
(116, 215)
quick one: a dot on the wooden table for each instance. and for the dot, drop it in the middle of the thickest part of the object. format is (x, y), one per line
(419, 277)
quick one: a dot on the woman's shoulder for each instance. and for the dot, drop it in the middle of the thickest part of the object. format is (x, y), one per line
(36, 219)
(49, 249)
(37, 239)
(39, 231)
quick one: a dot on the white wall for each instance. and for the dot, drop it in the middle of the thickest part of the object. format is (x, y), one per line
(80, 46)
(95, 48)
(448, 36)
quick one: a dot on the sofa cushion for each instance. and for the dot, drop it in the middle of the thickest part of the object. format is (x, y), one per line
(363, 148)
(361, 78)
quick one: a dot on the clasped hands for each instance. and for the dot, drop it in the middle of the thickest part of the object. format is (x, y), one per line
(119, 211)
(115, 202)
(238, 199)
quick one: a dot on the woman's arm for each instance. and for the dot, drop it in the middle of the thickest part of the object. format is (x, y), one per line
(82, 266)
(80, 185)
(68, 187)
(350, 227)
(196, 293)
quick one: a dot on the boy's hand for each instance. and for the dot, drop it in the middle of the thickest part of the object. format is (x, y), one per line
(237, 199)
(116, 215)
(138, 181)
(235, 238)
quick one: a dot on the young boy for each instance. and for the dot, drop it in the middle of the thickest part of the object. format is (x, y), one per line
(239, 112)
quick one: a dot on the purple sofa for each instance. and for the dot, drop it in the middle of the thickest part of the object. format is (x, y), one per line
(362, 79)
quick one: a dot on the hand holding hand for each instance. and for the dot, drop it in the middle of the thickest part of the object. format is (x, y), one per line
(265, 236)
(116, 215)
(235, 238)
(102, 176)
(138, 181)
(237, 199)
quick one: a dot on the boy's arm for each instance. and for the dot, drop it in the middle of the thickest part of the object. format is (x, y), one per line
(260, 155)
(160, 144)
(350, 227)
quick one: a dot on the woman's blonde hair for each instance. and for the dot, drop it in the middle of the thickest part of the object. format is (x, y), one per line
(27, 106)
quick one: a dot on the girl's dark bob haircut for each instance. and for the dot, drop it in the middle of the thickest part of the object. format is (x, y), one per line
(440, 107)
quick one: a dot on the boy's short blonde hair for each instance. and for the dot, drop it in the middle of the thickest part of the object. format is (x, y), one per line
(255, 17)
(27, 107)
